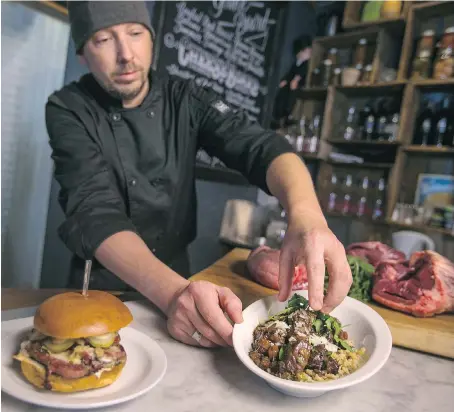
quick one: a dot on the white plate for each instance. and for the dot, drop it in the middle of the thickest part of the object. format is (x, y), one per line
(145, 367)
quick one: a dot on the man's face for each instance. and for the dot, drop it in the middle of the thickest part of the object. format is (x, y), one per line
(304, 54)
(120, 58)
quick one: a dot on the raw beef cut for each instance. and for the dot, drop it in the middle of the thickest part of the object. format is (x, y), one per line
(375, 252)
(263, 266)
(423, 286)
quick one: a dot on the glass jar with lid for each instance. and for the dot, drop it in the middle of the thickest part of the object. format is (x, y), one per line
(444, 62)
(326, 73)
(360, 53)
(332, 55)
(421, 67)
(366, 75)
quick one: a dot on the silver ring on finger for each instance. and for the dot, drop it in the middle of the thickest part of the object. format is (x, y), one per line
(197, 336)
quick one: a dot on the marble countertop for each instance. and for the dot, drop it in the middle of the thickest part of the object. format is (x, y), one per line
(202, 380)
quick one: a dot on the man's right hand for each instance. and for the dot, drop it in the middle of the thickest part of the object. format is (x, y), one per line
(283, 83)
(200, 306)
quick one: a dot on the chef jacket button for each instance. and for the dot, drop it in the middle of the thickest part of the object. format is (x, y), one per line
(153, 250)
(133, 182)
(116, 117)
(150, 113)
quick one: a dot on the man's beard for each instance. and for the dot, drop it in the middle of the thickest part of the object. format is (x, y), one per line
(126, 93)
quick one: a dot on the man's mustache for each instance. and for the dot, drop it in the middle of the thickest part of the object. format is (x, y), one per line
(127, 69)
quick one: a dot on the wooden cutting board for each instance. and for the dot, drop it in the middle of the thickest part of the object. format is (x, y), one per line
(431, 335)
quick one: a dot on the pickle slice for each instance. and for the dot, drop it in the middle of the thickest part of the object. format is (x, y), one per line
(102, 341)
(58, 345)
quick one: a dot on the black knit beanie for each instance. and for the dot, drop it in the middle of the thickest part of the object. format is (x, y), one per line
(87, 17)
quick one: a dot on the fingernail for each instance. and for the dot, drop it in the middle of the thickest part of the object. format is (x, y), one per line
(317, 305)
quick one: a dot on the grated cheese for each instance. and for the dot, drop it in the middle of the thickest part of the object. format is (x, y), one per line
(321, 340)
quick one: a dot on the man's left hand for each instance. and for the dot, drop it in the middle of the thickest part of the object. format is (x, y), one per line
(309, 242)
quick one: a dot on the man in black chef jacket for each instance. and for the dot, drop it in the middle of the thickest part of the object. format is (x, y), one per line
(293, 81)
(124, 143)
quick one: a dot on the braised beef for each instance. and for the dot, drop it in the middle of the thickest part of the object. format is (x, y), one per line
(331, 365)
(317, 358)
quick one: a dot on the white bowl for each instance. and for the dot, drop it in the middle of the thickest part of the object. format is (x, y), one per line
(366, 329)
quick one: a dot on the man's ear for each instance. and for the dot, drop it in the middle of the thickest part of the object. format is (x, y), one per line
(82, 59)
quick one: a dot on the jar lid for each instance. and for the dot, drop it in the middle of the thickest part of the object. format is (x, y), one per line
(368, 67)
(333, 50)
(450, 30)
(363, 41)
(327, 62)
(428, 33)
(337, 70)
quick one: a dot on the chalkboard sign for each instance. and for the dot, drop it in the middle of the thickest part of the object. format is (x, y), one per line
(228, 46)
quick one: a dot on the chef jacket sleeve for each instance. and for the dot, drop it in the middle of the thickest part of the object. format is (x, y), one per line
(232, 137)
(89, 196)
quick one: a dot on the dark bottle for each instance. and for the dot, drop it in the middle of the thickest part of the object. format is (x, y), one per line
(362, 202)
(381, 118)
(350, 131)
(331, 204)
(369, 125)
(424, 126)
(378, 210)
(366, 121)
(443, 121)
(393, 121)
(346, 204)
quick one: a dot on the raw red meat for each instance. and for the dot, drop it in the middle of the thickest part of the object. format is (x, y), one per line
(423, 286)
(375, 252)
(263, 266)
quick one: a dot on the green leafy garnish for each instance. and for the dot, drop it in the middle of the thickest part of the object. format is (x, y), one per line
(298, 301)
(362, 272)
(318, 325)
(281, 352)
(345, 345)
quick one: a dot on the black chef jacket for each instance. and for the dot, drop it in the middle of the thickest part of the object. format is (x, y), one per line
(133, 169)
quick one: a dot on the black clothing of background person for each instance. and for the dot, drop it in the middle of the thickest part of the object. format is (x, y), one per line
(133, 169)
(287, 94)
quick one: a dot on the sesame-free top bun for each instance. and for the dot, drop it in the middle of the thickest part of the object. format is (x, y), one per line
(71, 315)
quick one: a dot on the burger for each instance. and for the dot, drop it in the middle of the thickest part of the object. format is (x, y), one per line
(74, 344)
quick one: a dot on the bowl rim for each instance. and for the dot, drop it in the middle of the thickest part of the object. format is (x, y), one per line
(374, 363)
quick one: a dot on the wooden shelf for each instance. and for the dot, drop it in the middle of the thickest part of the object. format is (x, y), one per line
(433, 8)
(369, 220)
(429, 150)
(380, 22)
(347, 39)
(442, 231)
(362, 143)
(433, 82)
(436, 15)
(352, 16)
(365, 165)
(376, 89)
(316, 93)
(51, 8)
(358, 218)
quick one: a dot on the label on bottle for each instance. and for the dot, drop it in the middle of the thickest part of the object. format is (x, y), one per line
(441, 125)
(332, 201)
